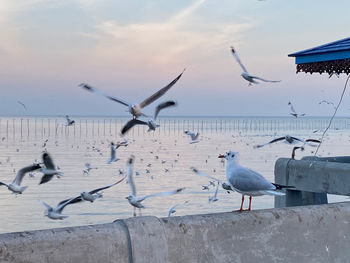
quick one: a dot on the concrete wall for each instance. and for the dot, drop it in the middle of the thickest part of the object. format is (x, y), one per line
(297, 234)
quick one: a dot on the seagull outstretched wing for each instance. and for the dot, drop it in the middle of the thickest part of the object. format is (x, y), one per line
(160, 92)
(235, 55)
(96, 91)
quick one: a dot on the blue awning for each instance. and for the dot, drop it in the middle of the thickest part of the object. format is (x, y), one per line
(331, 58)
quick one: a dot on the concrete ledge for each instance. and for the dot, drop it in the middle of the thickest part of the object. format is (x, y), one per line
(296, 234)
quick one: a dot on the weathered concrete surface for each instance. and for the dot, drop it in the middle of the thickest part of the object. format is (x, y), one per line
(301, 234)
(296, 234)
(97, 243)
(148, 239)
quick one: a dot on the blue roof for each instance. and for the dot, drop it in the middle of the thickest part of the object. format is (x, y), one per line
(332, 51)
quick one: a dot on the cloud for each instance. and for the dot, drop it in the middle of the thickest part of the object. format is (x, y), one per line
(184, 37)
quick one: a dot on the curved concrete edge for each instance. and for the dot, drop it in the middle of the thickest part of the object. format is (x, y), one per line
(313, 234)
(95, 243)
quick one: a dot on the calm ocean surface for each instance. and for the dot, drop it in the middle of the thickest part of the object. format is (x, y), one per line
(22, 138)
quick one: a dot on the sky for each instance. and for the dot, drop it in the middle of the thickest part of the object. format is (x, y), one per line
(130, 49)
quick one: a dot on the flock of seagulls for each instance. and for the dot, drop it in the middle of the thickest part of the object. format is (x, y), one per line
(240, 179)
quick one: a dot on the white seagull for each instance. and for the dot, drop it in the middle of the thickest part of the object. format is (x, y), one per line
(151, 123)
(248, 182)
(56, 213)
(245, 74)
(49, 170)
(135, 109)
(94, 194)
(15, 186)
(193, 136)
(88, 168)
(113, 157)
(132, 198)
(293, 112)
(214, 198)
(290, 140)
(69, 122)
(172, 209)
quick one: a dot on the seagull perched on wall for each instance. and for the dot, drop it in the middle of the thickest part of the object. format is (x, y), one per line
(293, 112)
(135, 109)
(49, 170)
(56, 213)
(132, 198)
(151, 123)
(69, 121)
(245, 74)
(193, 136)
(248, 182)
(15, 186)
(290, 140)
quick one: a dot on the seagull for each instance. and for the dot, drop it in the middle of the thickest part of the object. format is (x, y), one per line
(24, 106)
(151, 123)
(194, 137)
(94, 194)
(88, 168)
(56, 213)
(214, 198)
(296, 148)
(293, 112)
(69, 122)
(15, 186)
(49, 171)
(248, 182)
(113, 158)
(135, 110)
(245, 74)
(132, 198)
(290, 140)
(172, 209)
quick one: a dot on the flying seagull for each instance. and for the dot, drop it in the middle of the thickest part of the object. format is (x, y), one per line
(245, 74)
(69, 122)
(94, 194)
(296, 148)
(87, 168)
(290, 140)
(113, 157)
(56, 213)
(50, 169)
(248, 182)
(193, 136)
(214, 198)
(135, 109)
(132, 198)
(24, 106)
(293, 112)
(151, 123)
(15, 186)
(172, 209)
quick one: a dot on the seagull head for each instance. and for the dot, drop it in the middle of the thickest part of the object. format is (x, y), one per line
(231, 155)
(129, 197)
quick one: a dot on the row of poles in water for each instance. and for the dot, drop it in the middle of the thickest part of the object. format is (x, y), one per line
(47, 127)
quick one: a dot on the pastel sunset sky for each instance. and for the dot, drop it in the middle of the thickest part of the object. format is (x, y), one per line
(130, 49)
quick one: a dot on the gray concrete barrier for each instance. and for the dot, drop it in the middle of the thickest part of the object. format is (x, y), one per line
(296, 234)
(313, 178)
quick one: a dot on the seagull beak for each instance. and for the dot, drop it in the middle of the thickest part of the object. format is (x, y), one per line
(221, 156)
(126, 197)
